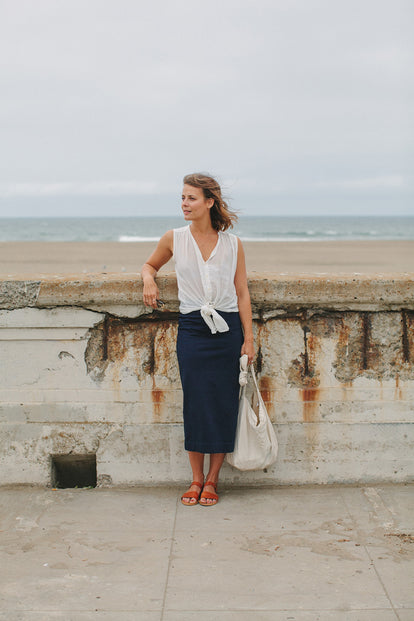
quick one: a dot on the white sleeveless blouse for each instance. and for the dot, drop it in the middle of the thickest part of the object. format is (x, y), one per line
(207, 286)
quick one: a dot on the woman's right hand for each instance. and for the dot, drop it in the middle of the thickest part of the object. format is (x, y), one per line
(150, 292)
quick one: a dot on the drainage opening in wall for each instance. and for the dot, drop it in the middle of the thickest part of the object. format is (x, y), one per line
(73, 470)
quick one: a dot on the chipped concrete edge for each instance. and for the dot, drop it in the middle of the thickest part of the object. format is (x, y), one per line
(19, 293)
(122, 293)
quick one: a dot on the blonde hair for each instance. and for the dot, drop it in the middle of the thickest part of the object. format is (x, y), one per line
(221, 216)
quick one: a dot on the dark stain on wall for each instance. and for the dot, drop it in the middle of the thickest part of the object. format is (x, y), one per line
(366, 339)
(405, 335)
(303, 370)
(96, 352)
(409, 316)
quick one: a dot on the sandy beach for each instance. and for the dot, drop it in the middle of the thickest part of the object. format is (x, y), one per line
(339, 257)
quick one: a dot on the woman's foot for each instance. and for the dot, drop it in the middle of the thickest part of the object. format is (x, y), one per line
(209, 496)
(193, 494)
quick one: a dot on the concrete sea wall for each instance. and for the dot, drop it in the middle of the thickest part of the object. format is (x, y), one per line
(86, 368)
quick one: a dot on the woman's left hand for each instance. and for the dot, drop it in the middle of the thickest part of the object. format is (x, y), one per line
(248, 348)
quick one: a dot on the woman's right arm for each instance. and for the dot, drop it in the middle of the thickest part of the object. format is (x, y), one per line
(161, 255)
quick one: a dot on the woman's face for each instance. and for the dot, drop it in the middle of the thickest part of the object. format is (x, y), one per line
(193, 203)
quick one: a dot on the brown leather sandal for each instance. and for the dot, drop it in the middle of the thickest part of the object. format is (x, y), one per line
(192, 494)
(209, 495)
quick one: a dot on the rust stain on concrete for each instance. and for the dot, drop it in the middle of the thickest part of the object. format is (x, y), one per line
(164, 344)
(390, 348)
(398, 394)
(349, 363)
(304, 374)
(113, 339)
(134, 347)
(379, 346)
(158, 397)
(312, 352)
(266, 387)
(375, 345)
(310, 399)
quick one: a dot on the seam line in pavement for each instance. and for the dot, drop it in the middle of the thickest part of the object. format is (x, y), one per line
(370, 557)
(381, 583)
(169, 561)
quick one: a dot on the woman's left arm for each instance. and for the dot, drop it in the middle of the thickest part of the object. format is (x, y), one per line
(243, 299)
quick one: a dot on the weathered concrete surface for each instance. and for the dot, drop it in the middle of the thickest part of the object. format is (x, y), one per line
(19, 293)
(86, 368)
(334, 553)
(268, 292)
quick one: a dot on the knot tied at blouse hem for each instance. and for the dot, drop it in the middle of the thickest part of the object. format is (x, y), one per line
(215, 322)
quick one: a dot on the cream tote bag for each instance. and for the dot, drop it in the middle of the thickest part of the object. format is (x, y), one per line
(256, 445)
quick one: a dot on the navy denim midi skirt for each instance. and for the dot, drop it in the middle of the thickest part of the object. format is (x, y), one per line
(209, 371)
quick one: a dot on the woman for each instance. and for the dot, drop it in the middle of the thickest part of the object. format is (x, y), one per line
(214, 327)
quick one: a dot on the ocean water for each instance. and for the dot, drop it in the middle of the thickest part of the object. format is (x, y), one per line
(265, 228)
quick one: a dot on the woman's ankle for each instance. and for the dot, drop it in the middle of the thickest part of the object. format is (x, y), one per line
(213, 478)
(198, 478)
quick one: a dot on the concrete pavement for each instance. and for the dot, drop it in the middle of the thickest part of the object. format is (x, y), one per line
(319, 553)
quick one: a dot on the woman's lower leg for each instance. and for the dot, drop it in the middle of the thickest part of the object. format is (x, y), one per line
(216, 462)
(197, 466)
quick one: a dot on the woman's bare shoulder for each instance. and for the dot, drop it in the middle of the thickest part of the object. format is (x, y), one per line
(168, 234)
(163, 252)
(167, 239)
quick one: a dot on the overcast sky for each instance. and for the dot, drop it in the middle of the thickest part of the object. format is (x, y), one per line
(298, 106)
